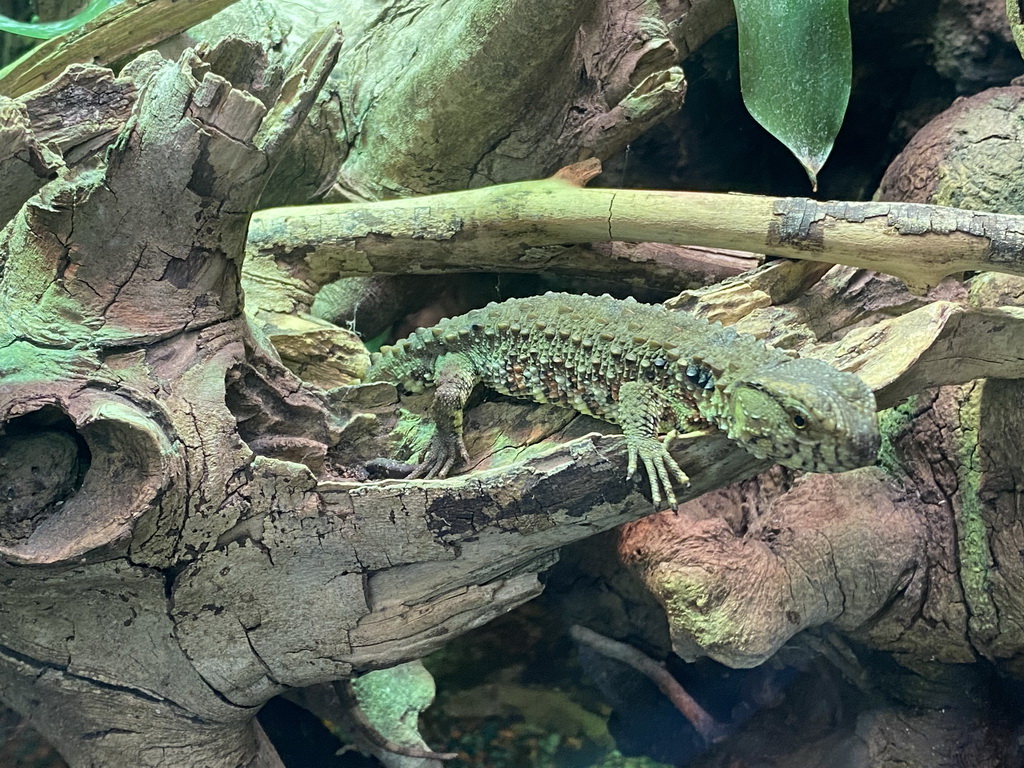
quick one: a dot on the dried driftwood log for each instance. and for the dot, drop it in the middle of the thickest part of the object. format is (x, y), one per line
(186, 530)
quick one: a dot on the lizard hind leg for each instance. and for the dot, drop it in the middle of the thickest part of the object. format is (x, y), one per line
(455, 376)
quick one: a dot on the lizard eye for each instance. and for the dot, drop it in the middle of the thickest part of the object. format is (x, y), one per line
(799, 421)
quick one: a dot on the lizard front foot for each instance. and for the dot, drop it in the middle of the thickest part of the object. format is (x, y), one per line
(443, 453)
(660, 466)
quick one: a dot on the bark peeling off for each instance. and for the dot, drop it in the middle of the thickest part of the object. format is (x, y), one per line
(196, 503)
(81, 111)
(25, 162)
(203, 532)
(116, 272)
(123, 337)
(805, 224)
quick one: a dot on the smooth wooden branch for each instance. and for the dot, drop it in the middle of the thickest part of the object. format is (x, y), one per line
(656, 671)
(499, 229)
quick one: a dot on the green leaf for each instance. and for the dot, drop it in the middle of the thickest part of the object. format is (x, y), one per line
(47, 29)
(795, 70)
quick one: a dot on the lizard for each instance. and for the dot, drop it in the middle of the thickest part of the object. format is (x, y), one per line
(651, 370)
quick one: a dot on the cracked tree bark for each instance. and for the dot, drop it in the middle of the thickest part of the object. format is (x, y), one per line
(431, 97)
(185, 529)
(122, 321)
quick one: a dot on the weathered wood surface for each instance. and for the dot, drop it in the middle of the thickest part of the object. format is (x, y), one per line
(247, 556)
(920, 562)
(190, 530)
(122, 30)
(200, 538)
(501, 228)
(122, 326)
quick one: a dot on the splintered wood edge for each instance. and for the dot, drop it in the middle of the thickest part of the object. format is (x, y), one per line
(938, 344)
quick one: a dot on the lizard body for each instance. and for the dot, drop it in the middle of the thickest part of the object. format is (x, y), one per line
(648, 369)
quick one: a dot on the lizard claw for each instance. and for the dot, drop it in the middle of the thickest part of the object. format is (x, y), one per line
(443, 453)
(661, 467)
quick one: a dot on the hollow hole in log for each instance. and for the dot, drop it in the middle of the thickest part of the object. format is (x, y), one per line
(43, 463)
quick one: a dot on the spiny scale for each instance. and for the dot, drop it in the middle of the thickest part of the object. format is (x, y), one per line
(575, 351)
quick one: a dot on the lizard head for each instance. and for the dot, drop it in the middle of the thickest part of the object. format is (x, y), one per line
(806, 415)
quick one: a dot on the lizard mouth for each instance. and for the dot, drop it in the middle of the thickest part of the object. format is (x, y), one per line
(837, 451)
(806, 415)
(857, 450)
